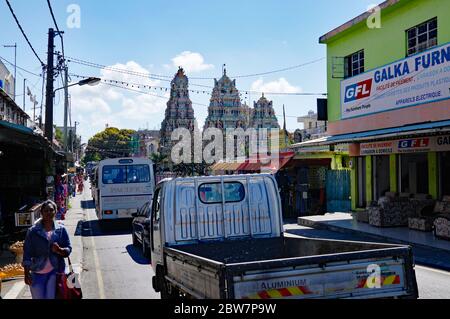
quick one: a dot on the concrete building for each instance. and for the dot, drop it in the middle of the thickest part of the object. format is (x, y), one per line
(6, 80)
(9, 111)
(312, 128)
(389, 98)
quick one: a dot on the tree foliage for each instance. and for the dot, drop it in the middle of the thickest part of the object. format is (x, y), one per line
(110, 143)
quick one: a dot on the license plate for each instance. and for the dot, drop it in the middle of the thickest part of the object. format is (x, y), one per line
(126, 212)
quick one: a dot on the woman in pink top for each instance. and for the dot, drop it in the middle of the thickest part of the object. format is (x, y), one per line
(46, 245)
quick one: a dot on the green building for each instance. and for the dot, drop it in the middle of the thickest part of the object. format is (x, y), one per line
(388, 77)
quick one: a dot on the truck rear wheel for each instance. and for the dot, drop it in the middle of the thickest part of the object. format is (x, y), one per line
(167, 290)
(135, 242)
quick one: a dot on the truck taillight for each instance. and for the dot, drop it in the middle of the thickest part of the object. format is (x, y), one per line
(108, 212)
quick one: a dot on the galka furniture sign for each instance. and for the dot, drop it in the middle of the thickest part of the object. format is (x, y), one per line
(419, 79)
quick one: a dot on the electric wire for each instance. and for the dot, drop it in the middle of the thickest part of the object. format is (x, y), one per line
(56, 26)
(23, 32)
(161, 76)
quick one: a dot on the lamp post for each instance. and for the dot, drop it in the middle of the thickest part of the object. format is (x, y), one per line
(15, 64)
(92, 81)
(74, 141)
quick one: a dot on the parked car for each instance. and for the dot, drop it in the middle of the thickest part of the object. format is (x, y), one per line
(141, 228)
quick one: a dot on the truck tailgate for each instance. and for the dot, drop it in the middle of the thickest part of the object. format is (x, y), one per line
(365, 279)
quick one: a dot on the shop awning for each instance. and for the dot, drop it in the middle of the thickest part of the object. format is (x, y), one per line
(247, 166)
(271, 164)
(391, 132)
(226, 166)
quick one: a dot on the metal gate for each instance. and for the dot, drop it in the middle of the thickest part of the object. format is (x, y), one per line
(338, 191)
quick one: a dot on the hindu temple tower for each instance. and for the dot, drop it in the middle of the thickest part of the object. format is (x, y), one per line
(179, 112)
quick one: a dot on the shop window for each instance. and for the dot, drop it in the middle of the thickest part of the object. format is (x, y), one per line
(421, 37)
(444, 173)
(413, 173)
(354, 64)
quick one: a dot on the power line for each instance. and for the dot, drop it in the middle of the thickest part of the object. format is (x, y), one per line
(142, 92)
(56, 25)
(242, 92)
(164, 97)
(22, 69)
(165, 77)
(23, 32)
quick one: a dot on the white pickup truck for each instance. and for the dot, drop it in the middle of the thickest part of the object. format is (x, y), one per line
(221, 237)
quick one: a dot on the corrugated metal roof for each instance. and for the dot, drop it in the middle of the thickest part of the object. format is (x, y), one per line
(393, 130)
(316, 141)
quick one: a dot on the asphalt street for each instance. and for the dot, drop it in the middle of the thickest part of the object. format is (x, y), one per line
(112, 268)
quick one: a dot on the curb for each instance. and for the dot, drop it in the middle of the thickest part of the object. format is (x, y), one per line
(421, 261)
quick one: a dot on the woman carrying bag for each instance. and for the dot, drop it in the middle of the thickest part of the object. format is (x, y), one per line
(46, 245)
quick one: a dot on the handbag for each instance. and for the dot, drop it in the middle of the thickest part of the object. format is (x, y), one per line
(67, 285)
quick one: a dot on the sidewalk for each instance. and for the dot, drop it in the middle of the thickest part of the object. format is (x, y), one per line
(345, 223)
(16, 289)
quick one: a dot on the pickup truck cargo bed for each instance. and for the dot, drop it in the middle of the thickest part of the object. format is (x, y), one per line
(245, 268)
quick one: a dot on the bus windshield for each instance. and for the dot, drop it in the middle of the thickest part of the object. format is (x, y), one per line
(125, 174)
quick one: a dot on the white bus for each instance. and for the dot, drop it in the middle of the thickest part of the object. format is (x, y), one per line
(122, 186)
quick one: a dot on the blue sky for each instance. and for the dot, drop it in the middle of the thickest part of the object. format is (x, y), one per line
(155, 36)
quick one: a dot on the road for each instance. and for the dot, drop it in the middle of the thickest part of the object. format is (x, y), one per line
(114, 269)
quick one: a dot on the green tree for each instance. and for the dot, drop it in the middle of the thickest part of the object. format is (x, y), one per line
(59, 136)
(110, 143)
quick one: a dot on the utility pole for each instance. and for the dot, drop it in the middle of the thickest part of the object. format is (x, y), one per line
(49, 88)
(15, 65)
(74, 146)
(66, 106)
(284, 128)
(24, 85)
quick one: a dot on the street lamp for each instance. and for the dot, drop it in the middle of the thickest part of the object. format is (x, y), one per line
(91, 81)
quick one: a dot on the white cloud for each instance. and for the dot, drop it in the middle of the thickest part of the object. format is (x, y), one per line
(96, 106)
(279, 86)
(191, 62)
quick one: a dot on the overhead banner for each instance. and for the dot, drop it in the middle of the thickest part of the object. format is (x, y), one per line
(419, 79)
(409, 145)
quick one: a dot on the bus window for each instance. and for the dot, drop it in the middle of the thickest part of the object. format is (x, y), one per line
(114, 174)
(126, 174)
(138, 174)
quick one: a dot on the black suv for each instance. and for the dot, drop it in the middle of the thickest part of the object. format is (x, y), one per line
(141, 228)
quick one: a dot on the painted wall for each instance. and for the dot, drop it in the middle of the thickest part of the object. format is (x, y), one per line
(386, 45)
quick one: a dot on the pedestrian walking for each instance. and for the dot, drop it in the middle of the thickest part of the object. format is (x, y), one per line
(46, 245)
(80, 183)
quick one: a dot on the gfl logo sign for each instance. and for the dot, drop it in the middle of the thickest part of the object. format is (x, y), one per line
(358, 91)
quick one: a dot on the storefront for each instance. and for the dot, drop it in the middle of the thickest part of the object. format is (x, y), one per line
(26, 160)
(415, 164)
(314, 180)
(444, 174)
